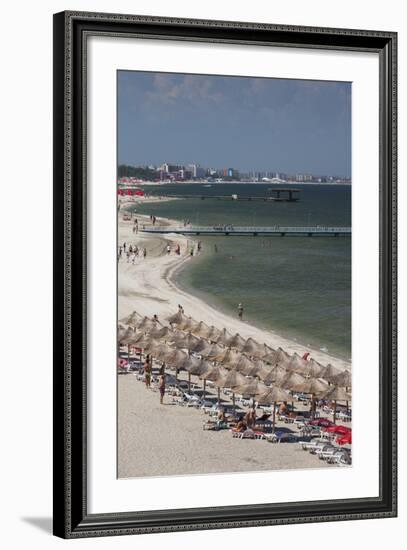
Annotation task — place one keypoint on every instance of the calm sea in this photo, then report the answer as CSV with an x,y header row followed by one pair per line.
x,y
299,287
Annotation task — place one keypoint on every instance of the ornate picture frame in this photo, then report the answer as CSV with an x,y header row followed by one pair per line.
x,y
71,33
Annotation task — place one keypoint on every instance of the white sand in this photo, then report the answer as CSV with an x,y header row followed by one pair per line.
x,y
168,440
160,440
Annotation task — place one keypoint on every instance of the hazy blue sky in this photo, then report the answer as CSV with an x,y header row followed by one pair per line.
x,y
244,123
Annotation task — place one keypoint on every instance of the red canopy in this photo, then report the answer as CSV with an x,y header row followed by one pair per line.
x,y
343,430
347,438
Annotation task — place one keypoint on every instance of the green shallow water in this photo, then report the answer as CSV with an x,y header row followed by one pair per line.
x,y
299,287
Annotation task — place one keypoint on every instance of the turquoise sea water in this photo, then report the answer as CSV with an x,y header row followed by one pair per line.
x,y
297,286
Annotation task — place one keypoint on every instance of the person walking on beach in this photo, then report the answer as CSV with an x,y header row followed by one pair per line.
x,y
215,247
144,252
199,247
240,311
124,247
147,372
168,249
178,249
191,251
161,387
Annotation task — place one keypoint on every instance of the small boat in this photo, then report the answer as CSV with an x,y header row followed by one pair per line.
x,y
207,185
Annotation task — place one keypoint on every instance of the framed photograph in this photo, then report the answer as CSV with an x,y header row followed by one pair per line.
x,y
224,274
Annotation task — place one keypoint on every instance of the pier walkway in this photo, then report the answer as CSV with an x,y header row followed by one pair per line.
x,y
278,231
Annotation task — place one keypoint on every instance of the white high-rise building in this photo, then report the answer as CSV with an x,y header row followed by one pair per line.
x,y
192,168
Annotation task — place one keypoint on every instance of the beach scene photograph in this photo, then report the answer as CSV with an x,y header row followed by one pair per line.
x,y
234,255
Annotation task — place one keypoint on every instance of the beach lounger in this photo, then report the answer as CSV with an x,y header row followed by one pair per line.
x,y
324,453
280,437
315,449
341,457
248,434
308,445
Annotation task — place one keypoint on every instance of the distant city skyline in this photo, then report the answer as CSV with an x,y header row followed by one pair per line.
x,y
261,124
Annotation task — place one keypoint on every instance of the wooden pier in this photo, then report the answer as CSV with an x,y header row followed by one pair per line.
x,y
276,195
230,230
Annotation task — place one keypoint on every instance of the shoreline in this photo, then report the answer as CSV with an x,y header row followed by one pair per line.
x,y
156,291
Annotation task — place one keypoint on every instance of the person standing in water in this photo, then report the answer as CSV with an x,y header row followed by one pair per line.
x,y
240,311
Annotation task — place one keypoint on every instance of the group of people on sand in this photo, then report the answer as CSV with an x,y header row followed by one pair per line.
x,y
148,368
131,252
177,249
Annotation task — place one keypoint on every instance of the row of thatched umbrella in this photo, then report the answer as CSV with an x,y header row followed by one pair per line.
x,y
232,358
289,372
283,363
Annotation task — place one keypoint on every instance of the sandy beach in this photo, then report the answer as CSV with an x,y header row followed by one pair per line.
x,y
169,440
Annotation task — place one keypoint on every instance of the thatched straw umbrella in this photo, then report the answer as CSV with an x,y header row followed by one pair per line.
x,y
276,357
188,325
190,364
272,375
128,338
163,333
121,331
251,387
330,372
212,373
312,386
148,324
309,369
131,319
189,341
343,379
291,380
175,359
236,342
336,394
231,380
273,396
213,334
266,350
228,358
201,346
212,351
246,366
295,363
253,348
313,369
202,330
223,337
124,336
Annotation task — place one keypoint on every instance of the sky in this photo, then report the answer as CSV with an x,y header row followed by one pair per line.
x,y
246,123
